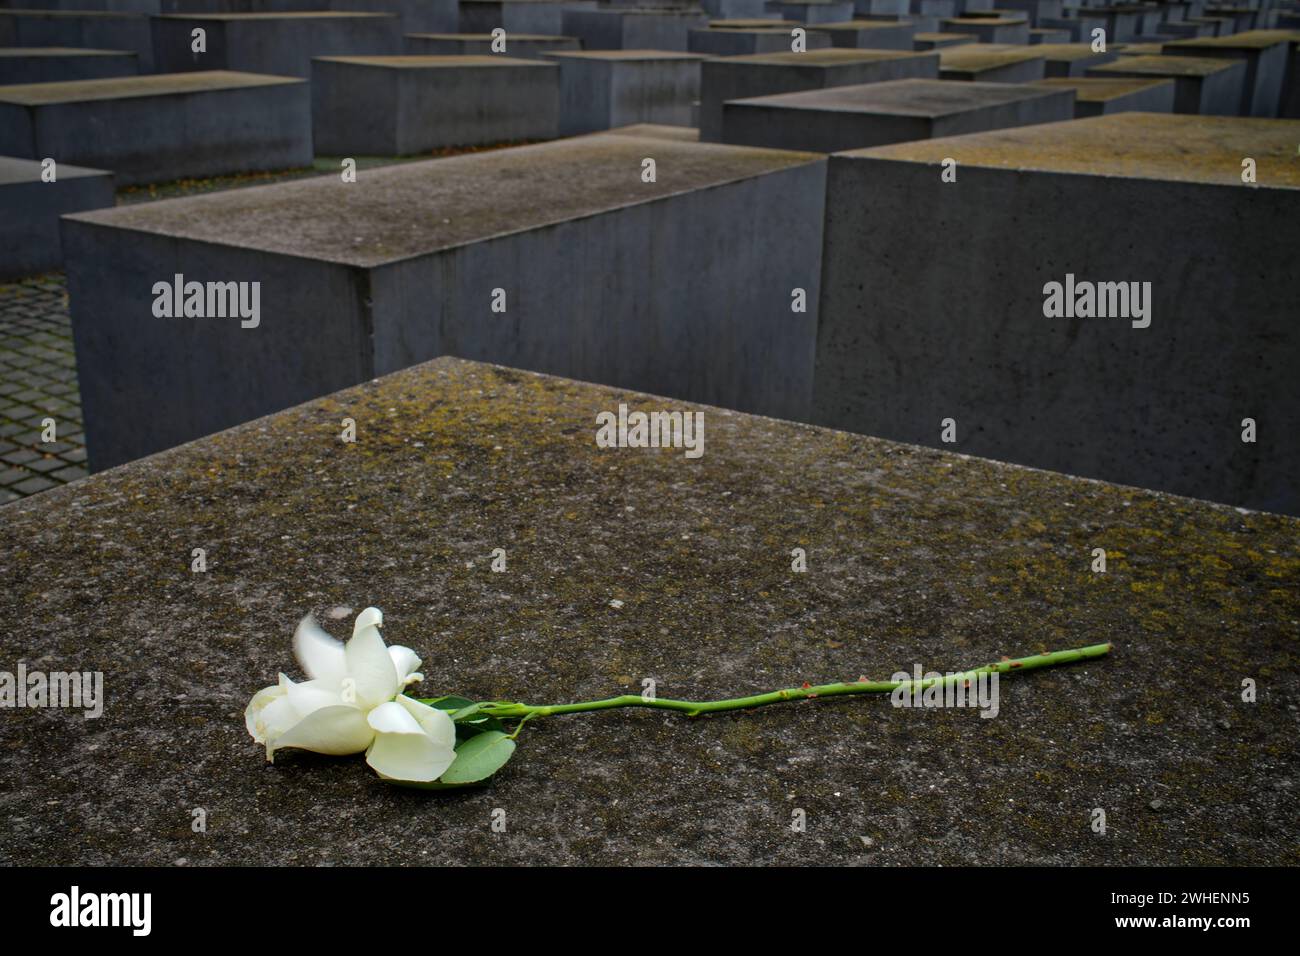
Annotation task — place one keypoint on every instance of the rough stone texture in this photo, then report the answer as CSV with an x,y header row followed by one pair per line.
x,y
1158,407
400,105
364,278
1095,96
601,89
741,77
527,46
866,34
280,44
55,64
1266,54
1205,86
989,63
100,30
232,122
38,380
873,114
916,556
30,210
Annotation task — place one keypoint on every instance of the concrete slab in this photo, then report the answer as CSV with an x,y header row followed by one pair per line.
x,y
813,11
280,44
741,77
359,279
98,30
56,64
966,560
1206,85
30,210
734,9
1004,64
518,16
866,34
630,29
749,23
938,41
1266,54
1159,406
527,46
232,122
874,114
1039,35
401,105
710,42
1033,9
1006,29
1095,96
1071,59
600,89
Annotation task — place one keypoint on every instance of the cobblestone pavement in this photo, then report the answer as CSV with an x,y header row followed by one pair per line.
x,y
38,382
38,372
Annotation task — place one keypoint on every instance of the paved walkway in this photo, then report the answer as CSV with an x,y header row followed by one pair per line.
x,y
38,382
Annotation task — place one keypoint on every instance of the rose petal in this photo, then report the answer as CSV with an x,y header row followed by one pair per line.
x,y
330,730
392,718
320,655
414,757
369,665
437,724
407,662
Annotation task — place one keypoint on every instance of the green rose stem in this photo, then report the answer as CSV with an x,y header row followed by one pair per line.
x,y
509,710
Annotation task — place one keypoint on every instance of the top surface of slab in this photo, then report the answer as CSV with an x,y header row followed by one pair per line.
x,y
915,97
29,51
835,56
854,25
397,212
1067,52
74,14
627,55
985,56
1170,65
1099,89
741,23
487,37
289,15
1249,40
121,87
922,557
1175,147
15,170
431,62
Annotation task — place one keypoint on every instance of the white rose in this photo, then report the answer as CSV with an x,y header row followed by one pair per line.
x,y
353,703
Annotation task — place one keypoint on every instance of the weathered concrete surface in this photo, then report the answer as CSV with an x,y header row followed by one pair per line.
x,y
915,556
400,105
874,114
1095,96
232,123
1266,54
1039,35
1001,64
56,64
867,34
1205,85
100,30
623,29
30,210
714,42
363,278
281,44
527,46
1159,407
601,89
741,77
